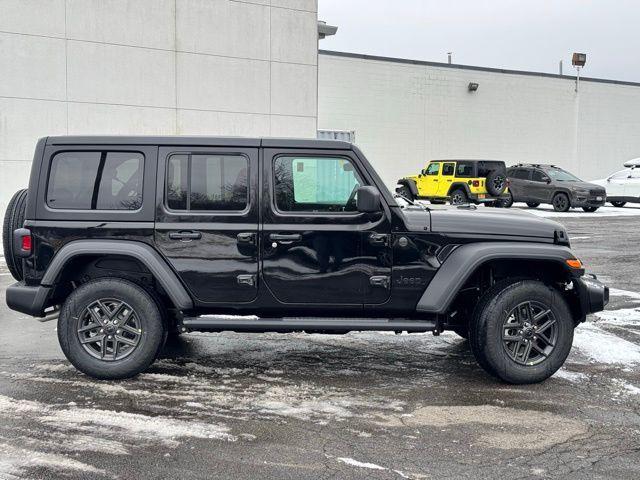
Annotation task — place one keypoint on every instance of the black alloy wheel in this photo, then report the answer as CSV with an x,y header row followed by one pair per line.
x,y
589,209
533,204
459,197
560,202
109,329
618,204
529,333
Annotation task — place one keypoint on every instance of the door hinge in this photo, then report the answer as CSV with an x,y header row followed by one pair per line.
x,y
380,239
249,280
380,281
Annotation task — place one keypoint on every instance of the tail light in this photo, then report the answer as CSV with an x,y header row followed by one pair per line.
x,y
476,183
22,242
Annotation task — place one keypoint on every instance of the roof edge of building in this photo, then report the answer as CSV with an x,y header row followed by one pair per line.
x,y
473,67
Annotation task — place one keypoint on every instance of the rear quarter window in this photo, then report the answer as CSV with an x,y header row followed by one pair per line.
x,y
98,180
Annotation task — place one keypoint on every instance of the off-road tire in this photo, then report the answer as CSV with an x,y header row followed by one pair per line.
x,y
458,197
13,219
561,202
506,202
152,324
485,330
589,209
461,331
533,204
618,204
496,183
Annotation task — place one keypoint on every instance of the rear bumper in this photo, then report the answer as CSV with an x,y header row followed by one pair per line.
x,y
26,299
592,294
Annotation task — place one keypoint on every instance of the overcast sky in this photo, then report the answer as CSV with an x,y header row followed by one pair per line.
x,y
514,34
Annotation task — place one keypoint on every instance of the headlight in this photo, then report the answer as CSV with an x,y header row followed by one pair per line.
x,y
581,192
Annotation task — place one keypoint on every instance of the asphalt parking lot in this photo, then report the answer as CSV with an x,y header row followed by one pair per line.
x,y
355,406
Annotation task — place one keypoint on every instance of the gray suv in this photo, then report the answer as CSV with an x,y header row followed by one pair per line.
x,y
535,184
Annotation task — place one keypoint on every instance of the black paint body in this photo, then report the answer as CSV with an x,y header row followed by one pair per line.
x,y
265,262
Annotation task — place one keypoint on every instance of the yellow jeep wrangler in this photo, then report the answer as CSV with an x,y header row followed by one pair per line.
x,y
459,182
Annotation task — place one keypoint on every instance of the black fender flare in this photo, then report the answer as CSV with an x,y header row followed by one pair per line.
x,y
410,184
142,252
463,185
466,259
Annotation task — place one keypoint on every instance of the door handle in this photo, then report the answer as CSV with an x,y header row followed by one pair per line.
x,y
286,237
246,237
380,281
379,239
186,235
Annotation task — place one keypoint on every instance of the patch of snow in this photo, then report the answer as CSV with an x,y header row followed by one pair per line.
x,y
606,211
15,461
604,347
615,292
623,316
626,387
356,463
574,377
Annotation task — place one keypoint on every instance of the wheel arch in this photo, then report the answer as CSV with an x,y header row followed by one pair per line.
x,y
469,262
134,259
457,185
410,184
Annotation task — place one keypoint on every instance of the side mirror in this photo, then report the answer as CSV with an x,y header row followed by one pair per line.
x,y
368,200
424,171
547,179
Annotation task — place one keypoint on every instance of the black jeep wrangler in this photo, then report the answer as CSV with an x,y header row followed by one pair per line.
x,y
129,239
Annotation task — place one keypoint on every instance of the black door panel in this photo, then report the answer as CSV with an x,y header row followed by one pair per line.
x,y
318,249
214,252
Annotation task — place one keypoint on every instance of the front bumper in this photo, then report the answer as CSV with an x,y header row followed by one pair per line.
x,y
593,295
588,200
28,299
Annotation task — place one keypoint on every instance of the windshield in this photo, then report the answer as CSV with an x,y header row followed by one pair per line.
x,y
561,175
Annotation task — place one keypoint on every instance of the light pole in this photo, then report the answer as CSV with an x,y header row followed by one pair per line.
x,y
578,60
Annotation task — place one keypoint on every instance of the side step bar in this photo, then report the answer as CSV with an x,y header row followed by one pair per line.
x,y
295,324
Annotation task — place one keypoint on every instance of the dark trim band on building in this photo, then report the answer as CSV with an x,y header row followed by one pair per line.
x,y
472,67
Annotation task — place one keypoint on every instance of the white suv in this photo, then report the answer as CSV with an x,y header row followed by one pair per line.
x,y
623,186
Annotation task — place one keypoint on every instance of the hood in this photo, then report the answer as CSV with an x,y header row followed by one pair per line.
x,y
580,185
491,221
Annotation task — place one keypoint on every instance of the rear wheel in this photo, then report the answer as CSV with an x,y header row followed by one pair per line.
x,y
14,219
618,204
111,328
561,202
506,202
590,209
533,204
458,197
521,331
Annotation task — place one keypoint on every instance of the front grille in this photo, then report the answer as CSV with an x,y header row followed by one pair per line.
x,y
597,193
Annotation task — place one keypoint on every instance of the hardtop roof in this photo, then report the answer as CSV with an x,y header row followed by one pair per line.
x,y
203,141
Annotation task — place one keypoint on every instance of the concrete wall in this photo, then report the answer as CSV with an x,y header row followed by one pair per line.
x,y
211,67
406,113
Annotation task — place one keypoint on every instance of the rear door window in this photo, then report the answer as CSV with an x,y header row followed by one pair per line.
x,y
464,170
207,182
521,174
448,168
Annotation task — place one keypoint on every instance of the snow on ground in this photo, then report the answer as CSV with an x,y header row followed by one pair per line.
x,y
604,347
606,211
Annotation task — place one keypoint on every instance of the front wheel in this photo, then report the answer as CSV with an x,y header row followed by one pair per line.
x,y
521,331
459,197
590,209
405,192
618,204
111,328
561,202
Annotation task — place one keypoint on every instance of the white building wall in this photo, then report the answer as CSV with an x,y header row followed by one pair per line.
x,y
203,67
404,114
